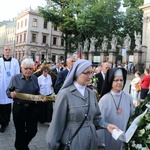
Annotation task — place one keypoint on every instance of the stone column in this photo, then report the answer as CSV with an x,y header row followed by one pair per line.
x,y
84,55
137,57
124,59
112,56
103,56
128,54
146,32
90,56
37,58
56,59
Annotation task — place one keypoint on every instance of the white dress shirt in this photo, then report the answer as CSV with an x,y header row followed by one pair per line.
x,y
45,84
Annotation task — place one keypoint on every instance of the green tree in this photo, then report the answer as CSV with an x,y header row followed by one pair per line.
x,y
81,19
59,13
133,18
99,18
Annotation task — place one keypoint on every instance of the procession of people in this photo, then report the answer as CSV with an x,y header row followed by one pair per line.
x,y
76,117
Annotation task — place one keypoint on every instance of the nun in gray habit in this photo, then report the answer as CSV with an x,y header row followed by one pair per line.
x,y
116,107
73,101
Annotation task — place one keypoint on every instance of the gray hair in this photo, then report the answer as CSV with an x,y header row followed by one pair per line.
x,y
27,61
70,57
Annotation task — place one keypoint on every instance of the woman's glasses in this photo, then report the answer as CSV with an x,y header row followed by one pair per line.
x,y
118,80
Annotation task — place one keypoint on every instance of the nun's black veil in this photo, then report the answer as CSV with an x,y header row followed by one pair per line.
x,y
107,86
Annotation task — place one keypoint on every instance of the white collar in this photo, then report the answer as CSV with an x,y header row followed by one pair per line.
x,y
44,76
79,87
114,93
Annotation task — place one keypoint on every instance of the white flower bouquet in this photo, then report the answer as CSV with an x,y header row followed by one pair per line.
x,y
141,137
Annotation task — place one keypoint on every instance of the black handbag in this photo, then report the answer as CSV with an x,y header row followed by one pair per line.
x,y
67,145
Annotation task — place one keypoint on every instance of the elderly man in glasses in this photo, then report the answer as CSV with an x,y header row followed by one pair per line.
x,y
9,66
25,112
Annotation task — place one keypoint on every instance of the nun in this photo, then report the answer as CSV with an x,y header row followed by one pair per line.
x,y
116,107
76,111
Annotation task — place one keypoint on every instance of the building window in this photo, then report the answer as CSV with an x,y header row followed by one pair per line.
x,y
44,38
24,37
20,38
34,24
33,37
25,22
45,25
62,42
54,40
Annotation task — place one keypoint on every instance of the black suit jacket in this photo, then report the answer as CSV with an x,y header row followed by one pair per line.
x,y
60,80
100,82
55,77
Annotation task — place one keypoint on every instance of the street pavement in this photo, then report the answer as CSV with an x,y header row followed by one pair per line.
x,y
38,142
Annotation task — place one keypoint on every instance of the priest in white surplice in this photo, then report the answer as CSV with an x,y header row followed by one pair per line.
x,y
8,67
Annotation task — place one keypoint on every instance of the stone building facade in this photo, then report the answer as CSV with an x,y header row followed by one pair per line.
x,y
33,37
146,33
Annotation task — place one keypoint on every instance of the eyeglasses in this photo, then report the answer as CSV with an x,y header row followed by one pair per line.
x,y
88,73
27,68
118,80
73,61
7,49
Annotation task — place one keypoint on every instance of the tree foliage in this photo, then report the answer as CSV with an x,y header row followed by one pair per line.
x,y
81,19
59,13
133,18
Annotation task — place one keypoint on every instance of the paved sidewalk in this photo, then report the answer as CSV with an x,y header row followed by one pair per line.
x,y
38,142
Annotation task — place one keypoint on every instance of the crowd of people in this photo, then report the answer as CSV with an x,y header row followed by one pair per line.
x,y
78,118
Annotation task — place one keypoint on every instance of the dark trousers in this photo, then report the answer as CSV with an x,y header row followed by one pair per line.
x,y
5,111
46,111
25,121
143,93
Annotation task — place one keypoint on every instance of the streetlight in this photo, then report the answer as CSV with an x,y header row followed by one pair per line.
x,y
46,48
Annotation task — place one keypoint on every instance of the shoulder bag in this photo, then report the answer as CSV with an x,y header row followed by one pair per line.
x,y
138,87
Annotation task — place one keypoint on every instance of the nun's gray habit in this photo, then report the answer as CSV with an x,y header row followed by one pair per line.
x,y
108,103
70,108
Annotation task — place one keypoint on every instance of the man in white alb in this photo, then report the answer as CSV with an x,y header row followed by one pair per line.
x,y
9,66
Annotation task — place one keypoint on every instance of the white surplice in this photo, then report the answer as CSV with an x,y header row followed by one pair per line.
x,y
7,70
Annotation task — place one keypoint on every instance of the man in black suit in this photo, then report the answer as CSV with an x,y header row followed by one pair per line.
x,y
101,76
62,75
55,70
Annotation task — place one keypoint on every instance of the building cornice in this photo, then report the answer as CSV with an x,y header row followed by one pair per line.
x,y
145,6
